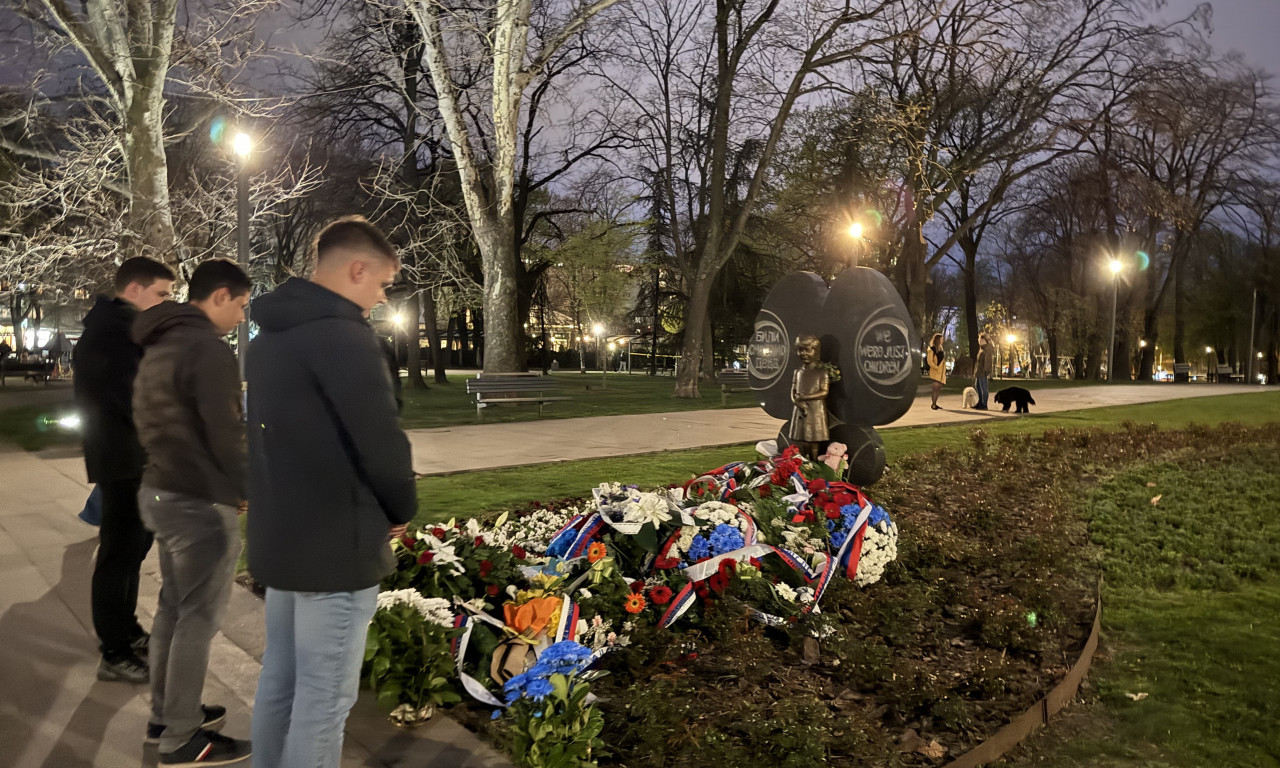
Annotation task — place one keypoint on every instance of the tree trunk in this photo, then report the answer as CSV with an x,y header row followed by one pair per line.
x,y
692,350
1151,334
1180,312
150,217
1052,338
971,294
709,352
439,356
657,300
413,336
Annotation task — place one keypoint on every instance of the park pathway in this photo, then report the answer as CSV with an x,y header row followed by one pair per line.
x,y
54,713
446,450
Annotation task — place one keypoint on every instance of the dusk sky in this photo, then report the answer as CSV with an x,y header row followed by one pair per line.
x,y
1251,27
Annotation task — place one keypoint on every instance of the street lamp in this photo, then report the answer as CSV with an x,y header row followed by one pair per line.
x,y
855,231
598,330
1116,266
1011,339
1208,362
242,146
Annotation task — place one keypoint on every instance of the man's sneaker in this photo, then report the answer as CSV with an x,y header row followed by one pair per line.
x,y
208,748
214,718
141,645
128,669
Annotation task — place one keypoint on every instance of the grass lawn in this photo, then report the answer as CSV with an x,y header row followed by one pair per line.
x,y
446,405
1191,675
25,426
470,493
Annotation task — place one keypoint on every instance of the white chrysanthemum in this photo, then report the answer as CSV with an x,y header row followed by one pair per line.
x,y
785,592
434,609
716,512
879,548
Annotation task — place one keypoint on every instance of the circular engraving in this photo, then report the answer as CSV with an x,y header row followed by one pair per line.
x,y
768,351
884,352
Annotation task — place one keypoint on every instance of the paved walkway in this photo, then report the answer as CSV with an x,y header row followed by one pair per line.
x,y
54,713
446,450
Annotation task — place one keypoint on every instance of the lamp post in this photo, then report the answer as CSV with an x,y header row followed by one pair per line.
x,y
242,145
1253,320
855,231
1208,363
1116,266
598,330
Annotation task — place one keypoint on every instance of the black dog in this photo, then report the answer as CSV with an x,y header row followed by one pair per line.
x,y
1010,395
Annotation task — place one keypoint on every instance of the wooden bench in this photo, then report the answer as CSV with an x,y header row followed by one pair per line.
x,y
1226,374
732,380
1181,372
39,370
513,388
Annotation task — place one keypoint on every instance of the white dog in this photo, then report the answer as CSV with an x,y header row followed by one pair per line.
x,y
970,397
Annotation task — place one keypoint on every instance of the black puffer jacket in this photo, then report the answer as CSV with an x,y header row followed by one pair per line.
x,y
186,405
330,468
106,361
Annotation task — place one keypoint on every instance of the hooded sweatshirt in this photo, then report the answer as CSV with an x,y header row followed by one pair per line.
x,y
186,406
330,469
106,361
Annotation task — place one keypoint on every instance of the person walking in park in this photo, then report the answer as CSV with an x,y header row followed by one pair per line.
x,y
106,361
936,358
982,370
186,406
330,481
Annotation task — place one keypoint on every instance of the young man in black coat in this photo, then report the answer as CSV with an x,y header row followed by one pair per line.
x,y
106,362
330,482
186,405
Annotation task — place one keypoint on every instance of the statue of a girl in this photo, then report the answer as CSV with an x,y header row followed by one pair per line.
x,y
809,391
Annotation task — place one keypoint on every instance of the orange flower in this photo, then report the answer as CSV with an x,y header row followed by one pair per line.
x,y
634,603
596,552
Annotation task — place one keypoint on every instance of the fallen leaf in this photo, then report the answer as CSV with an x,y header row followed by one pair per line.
x,y
933,750
1137,696
910,741
1151,485
1156,499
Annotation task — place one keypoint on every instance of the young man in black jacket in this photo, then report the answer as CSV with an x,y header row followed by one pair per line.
x,y
186,405
106,361
330,481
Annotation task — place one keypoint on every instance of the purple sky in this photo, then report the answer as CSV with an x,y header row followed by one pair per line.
x,y
1248,26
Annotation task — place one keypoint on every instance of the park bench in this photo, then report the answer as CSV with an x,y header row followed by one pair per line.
x,y
1181,372
513,389
1226,374
732,380
38,370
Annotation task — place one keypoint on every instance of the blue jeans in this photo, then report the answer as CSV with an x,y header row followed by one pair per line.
x,y
980,384
310,676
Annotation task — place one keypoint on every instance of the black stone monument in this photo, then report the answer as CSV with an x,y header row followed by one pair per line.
x,y
866,331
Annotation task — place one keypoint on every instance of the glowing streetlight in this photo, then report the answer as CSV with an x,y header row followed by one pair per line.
x,y
1011,338
242,145
1115,267
598,330
855,230
1142,343
1208,350
398,319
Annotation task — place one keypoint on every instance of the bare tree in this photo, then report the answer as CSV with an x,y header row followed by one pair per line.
x,y
483,125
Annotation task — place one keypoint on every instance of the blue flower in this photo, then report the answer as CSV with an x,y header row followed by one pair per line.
x,y
539,689
837,539
878,516
700,549
565,657
497,713
725,538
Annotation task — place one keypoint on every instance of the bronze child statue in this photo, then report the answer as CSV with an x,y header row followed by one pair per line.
x,y
809,391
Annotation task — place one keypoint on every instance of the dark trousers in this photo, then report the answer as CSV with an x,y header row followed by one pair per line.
x,y
980,384
199,542
123,543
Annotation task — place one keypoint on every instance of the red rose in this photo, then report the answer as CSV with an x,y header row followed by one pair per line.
x,y
426,557
438,532
637,586
493,590
844,498
409,542
660,595
817,485
479,541
518,551
485,567
728,566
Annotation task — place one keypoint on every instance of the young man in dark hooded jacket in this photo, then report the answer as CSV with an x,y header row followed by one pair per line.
x,y
330,481
106,361
186,405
